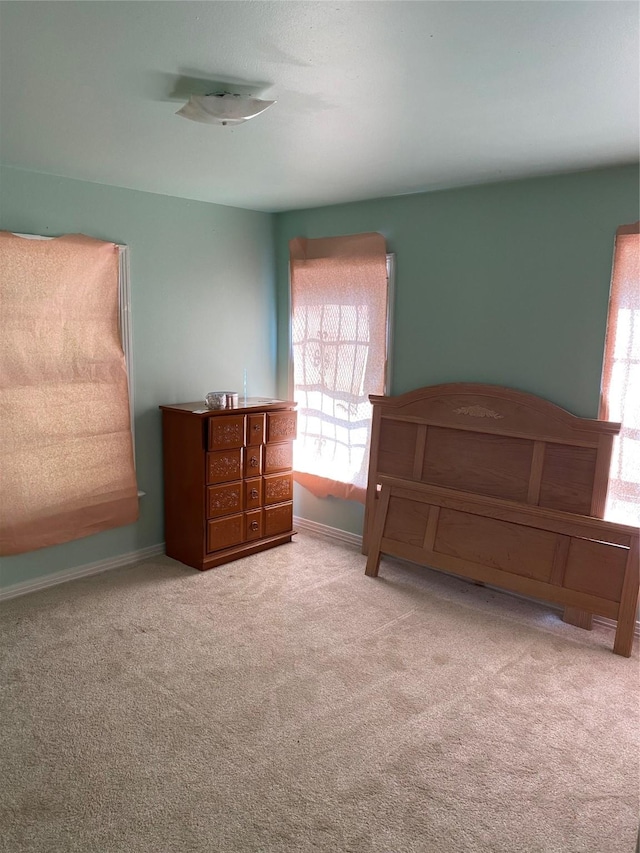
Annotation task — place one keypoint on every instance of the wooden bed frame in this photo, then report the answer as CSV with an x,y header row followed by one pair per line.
x,y
504,488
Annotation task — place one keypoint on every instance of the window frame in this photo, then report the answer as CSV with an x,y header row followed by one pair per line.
x,y
391,298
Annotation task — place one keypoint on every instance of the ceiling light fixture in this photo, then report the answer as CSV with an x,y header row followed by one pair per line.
x,y
223,108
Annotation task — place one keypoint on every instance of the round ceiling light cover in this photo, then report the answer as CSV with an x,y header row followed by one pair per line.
x,y
223,108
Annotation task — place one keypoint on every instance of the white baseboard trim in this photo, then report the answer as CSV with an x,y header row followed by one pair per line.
x,y
307,526
88,569
611,623
353,539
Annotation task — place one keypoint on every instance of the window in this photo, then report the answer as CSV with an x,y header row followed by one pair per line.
x,y
124,310
621,377
65,419
341,295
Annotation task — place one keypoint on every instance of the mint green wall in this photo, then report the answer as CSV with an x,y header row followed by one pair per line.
x,y
503,283
203,308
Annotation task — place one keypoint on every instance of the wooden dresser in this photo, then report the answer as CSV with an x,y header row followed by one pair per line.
x,y
228,482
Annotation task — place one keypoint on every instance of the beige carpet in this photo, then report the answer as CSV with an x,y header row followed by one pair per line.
x,y
285,702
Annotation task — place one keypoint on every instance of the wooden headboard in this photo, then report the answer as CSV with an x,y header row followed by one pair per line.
x,y
493,441
502,487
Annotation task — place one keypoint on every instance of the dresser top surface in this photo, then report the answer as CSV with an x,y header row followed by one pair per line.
x,y
198,408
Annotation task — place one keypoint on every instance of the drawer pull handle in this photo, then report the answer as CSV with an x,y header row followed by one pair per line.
x,y
253,462
254,495
254,525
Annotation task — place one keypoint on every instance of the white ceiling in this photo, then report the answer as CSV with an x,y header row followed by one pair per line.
x,y
374,98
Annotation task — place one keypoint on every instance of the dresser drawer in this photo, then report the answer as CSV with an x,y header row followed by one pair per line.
x,y
253,493
226,431
255,429
278,519
281,426
224,465
224,500
225,532
278,488
253,461
253,525
278,457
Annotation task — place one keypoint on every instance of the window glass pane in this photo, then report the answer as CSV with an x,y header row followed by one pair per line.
x,y
630,459
631,400
621,380
634,343
623,333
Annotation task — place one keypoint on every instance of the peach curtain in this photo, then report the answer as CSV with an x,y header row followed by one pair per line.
x,y
620,399
66,452
339,293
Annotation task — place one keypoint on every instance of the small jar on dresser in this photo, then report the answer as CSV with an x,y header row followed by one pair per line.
x,y
228,482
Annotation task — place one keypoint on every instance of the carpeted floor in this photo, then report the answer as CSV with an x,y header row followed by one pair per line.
x,y
285,702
